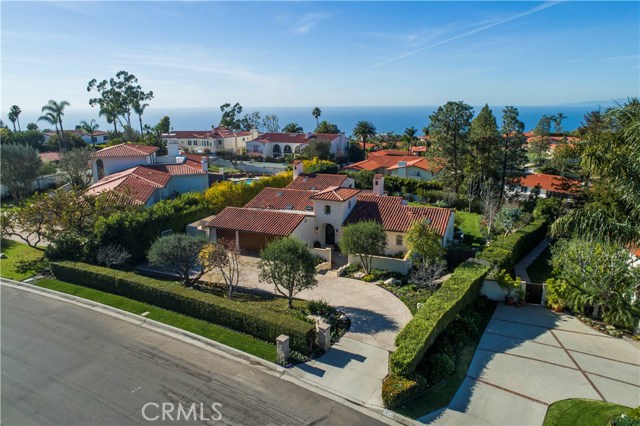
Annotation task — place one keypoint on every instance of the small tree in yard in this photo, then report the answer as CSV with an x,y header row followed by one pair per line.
x,y
364,239
18,169
507,283
180,253
425,244
224,256
507,218
289,265
112,254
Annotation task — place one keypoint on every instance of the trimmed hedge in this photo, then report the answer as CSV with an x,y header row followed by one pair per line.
x,y
397,390
410,185
507,250
257,322
435,315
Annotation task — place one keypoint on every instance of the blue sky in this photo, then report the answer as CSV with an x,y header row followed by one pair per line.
x,y
202,54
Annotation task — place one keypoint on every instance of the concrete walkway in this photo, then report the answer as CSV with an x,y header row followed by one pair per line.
x,y
520,269
530,357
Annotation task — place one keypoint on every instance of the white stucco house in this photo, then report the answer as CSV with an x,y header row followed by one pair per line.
x,y
315,208
276,145
99,137
399,163
218,139
138,176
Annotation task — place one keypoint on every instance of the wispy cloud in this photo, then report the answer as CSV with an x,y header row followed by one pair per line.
x,y
483,27
623,59
307,22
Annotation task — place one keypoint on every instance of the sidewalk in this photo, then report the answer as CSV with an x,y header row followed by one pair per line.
x,y
520,268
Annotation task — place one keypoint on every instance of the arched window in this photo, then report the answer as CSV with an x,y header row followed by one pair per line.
x,y
287,149
100,167
276,150
297,149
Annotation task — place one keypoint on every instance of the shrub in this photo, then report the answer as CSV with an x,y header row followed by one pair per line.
x,y
439,367
67,246
507,250
320,307
436,314
625,420
397,389
255,321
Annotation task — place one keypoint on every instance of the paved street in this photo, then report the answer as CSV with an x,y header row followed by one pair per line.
x,y
66,365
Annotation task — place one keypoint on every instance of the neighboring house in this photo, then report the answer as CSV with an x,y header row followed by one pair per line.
x,y
316,214
138,176
49,157
277,145
99,137
398,163
550,185
554,141
218,139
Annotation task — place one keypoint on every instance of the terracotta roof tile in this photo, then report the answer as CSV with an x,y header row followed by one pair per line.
x,y
49,156
259,221
336,193
316,182
294,137
281,199
551,183
126,150
396,216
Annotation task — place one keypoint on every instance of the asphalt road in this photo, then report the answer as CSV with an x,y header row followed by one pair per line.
x,y
66,365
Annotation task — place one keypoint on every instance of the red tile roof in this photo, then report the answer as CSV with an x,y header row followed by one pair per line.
x,y
421,163
281,199
126,150
389,152
217,133
336,193
418,149
258,221
294,137
49,156
316,182
375,162
396,216
551,183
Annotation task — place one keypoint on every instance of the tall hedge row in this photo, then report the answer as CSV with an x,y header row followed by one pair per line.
x,y
508,250
255,321
439,310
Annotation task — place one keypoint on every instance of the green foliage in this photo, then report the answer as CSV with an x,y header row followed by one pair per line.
x,y
406,186
32,138
47,168
179,253
507,282
18,258
320,307
507,218
507,250
19,166
440,366
228,194
582,412
292,128
398,389
484,160
547,208
327,128
67,246
288,264
355,153
317,149
363,179
255,321
74,162
557,292
435,315
364,239
319,166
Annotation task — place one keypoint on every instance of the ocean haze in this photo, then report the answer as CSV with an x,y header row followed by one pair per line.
x,y
386,119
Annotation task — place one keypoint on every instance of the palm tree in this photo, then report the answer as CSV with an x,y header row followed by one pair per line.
x,y
557,122
410,135
90,128
316,113
51,119
15,112
57,109
111,115
364,130
139,108
292,128
12,118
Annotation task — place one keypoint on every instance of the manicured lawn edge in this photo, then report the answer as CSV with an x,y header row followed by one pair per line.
x,y
15,253
582,412
202,328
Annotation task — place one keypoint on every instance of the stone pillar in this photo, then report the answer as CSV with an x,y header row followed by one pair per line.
x,y
282,348
237,239
324,335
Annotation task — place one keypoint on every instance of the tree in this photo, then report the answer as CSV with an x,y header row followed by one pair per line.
x,y
425,244
512,155
164,125
319,166
252,121
288,264
490,203
507,218
138,108
409,136
600,277
76,163
224,256
32,127
317,149
270,123
363,131
31,138
19,166
181,254
485,145
230,116
327,128
90,129
73,141
557,122
118,96
316,112
57,112
507,282
14,115
292,128
112,255
450,133
50,118
540,144
364,239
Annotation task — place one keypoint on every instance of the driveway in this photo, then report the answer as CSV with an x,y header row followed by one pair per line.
x,y
530,357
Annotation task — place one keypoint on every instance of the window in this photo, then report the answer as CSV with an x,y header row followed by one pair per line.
x,y
219,141
297,149
349,204
287,149
327,209
398,240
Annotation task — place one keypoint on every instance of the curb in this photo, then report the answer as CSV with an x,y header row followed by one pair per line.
x,y
375,412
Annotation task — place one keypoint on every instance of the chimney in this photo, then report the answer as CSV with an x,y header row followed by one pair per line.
x,y
205,164
298,168
172,149
378,185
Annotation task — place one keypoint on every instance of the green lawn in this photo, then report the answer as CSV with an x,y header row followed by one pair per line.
x,y
582,412
441,395
15,253
223,335
470,225
540,270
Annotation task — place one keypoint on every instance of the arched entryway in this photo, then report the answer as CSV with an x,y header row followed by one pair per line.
x,y
276,151
100,167
287,149
329,234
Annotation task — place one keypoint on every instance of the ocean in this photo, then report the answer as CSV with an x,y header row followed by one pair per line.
x,y
386,119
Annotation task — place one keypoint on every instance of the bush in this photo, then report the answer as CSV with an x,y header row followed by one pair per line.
x,y
250,319
320,307
625,420
397,390
435,315
507,250
67,246
439,367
